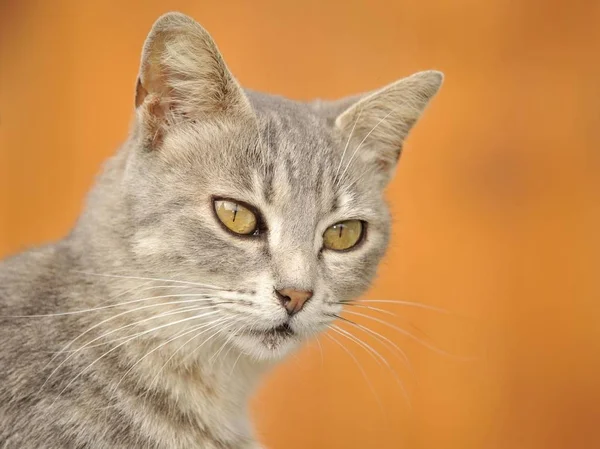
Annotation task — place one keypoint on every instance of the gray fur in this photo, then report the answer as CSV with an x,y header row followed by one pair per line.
x,y
197,134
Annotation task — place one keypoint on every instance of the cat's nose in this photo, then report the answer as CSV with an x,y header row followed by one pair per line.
x,y
293,300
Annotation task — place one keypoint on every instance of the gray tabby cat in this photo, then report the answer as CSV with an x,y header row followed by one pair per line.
x,y
229,228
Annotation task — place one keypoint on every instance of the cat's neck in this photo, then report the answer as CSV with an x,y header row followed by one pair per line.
x,y
213,392
97,236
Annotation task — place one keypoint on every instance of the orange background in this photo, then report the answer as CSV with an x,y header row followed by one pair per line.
x,y
495,201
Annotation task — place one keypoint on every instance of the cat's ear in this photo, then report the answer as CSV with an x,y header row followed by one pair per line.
x,y
377,124
183,77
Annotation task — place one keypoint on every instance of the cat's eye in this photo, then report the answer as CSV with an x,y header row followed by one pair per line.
x,y
236,217
343,235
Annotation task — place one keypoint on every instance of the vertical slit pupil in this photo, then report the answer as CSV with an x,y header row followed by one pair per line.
x,y
341,226
235,211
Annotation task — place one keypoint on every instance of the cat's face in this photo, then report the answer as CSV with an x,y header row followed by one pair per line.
x,y
276,206
282,181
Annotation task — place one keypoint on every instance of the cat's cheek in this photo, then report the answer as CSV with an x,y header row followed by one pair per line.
x,y
348,275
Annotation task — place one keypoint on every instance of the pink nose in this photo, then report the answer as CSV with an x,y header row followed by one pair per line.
x,y
293,300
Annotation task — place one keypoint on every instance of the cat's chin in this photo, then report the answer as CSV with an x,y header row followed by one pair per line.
x,y
271,345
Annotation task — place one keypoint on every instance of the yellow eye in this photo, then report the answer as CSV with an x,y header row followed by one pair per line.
x,y
235,217
344,235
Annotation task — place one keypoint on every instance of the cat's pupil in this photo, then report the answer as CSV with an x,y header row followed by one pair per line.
x,y
235,211
341,226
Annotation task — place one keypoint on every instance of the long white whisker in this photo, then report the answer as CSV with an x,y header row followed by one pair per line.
x,y
160,346
129,290
148,279
230,346
361,369
161,315
112,306
241,352
121,344
137,309
73,353
320,351
359,342
213,324
152,287
410,335
406,303
376,309
227,340
210,338
382,339
369,349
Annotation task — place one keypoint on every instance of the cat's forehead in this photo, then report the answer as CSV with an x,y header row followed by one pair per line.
x,y
293,128
296,148
288,157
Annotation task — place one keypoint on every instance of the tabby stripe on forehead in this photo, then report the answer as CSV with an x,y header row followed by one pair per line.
x,y
319,179
335,202
268,189
271,136
289,165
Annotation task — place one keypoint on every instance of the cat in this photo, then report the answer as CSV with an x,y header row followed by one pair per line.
x,y
230,227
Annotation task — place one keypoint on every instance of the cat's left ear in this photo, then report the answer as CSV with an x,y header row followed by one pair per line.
x,y
376,125
184,77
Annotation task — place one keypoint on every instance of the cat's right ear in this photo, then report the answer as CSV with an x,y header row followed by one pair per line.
x,y
376,126
183,77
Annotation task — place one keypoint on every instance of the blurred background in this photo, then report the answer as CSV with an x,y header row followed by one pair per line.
x,y
496,199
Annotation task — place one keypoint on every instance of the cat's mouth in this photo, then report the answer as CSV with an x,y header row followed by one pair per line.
x,y
282,331
270,343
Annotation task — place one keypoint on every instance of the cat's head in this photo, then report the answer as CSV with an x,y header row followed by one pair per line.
x,y
276,205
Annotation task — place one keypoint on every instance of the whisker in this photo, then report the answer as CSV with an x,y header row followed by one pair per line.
x,y
152,287
218,331
320,350
129,290
112,306
227,340
179,310
213,324
236,362
410,335
135,323
252,327
230,347
141,278
361,369
162,345
376,309
121,344
382,339
216,354
404,303
376,355
208,299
